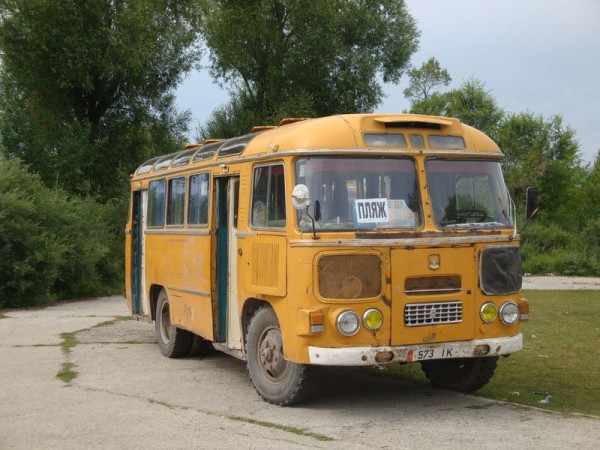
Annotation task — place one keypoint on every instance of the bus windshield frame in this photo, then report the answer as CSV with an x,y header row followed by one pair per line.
x,y
468,194
360,193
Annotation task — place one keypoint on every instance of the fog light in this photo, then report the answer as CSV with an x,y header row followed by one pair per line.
x,y
372,319
488,312
509,313
348,323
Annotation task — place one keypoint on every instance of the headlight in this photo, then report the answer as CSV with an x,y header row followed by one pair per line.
x,y
372,319
348,323
488,312
509,313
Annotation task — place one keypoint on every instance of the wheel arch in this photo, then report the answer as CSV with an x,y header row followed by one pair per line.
x,y
251,305
153,297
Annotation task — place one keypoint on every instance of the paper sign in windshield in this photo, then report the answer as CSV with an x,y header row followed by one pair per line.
x,y
382,213
372,210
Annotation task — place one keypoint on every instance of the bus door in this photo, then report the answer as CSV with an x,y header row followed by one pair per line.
x,y
138,283
229,330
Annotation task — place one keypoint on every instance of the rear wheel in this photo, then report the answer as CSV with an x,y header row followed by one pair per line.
x,y
276,380
465,374
173,342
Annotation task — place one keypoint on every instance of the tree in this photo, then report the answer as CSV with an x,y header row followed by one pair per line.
x,y
543,153
426,78
87,84
307,58
470,103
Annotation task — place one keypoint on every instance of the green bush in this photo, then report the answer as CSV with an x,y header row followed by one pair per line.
x,y
53,246
561,262
544,238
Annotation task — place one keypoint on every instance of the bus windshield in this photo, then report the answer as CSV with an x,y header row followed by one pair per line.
x,y
469,194
360,193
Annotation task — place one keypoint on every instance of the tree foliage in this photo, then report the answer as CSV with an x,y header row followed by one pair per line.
x,y
87,85
425,79
49,247
471,103
298,58
544,153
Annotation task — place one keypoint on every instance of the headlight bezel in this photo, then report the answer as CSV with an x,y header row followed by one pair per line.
x,y
344,316
365,319
482,313
515,313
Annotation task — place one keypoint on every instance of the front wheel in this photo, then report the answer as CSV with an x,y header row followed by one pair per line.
x,y
276,380
173,342
464,375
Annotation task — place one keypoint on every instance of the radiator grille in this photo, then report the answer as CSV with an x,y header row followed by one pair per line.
x,y
349,276
432,285
419,314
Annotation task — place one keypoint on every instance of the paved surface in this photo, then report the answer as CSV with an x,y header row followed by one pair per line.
x,y
127,395
561,283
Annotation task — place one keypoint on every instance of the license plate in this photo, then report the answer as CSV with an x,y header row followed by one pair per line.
x,y
432,353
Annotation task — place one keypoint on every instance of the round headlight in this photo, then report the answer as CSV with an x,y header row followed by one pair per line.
x,y
348,323
488,312
509,313
372,319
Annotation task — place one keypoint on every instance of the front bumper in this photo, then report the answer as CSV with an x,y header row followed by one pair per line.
x,y
369,356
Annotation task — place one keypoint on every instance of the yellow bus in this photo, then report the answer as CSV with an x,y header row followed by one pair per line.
x,y
350,240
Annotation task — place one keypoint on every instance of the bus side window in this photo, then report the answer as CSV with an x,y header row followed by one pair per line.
x,y
156,203
176,203
198,199
268,197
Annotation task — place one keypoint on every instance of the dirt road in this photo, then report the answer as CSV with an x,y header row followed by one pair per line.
x,y
125,394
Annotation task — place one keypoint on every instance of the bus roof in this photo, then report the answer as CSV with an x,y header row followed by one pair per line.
x,y
400,132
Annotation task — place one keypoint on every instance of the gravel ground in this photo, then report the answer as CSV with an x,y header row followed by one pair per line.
x,y
551,282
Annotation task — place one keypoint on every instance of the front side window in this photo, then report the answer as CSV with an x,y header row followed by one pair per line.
x,y
468,194
360,193
268,197
176,205
198,199
156,203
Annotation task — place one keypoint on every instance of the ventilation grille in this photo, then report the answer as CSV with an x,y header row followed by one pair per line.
x,y
432,285
265,264
419,314
349,276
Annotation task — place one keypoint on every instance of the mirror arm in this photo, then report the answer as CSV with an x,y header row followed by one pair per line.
x,y
529,219
312,220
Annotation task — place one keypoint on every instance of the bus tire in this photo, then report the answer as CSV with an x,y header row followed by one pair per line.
x,y
464,374
173,342
276,380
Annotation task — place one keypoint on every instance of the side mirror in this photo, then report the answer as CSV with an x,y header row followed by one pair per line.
x,y
300,196
533,204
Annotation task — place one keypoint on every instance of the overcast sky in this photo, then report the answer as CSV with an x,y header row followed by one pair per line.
x,y
532,55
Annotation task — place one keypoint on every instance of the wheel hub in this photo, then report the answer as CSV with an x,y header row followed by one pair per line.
x,y
271,354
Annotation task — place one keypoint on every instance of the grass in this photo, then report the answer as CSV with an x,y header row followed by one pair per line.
x,y
2,316
561,356
67,373
69,341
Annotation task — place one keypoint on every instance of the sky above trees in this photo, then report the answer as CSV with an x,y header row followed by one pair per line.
x,y
535,56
